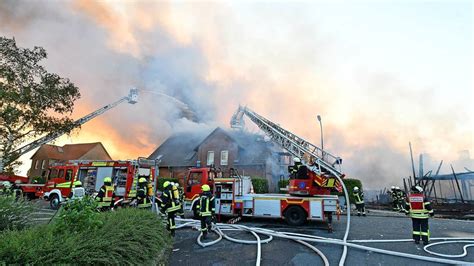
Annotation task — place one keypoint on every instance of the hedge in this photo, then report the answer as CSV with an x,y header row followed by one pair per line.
x,y
14,214
127,236
162,180
260,185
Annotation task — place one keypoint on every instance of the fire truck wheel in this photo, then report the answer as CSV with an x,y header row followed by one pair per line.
x,y
295,215
54,202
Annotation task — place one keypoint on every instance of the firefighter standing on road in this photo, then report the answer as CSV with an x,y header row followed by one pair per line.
x,y
359,201
169,205
401,196
394,196
206,208
419,209
143,201
106,194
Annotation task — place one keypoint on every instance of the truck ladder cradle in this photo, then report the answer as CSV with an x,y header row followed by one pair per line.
x,y
294,144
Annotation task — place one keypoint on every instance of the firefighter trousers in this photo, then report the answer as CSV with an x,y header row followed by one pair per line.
x,y
171,222
205,224
360,208
421,229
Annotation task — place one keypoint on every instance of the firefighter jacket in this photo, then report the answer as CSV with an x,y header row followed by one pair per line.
x,y
401,195
206,205
142,197
359,197
168,202
418,207
105,195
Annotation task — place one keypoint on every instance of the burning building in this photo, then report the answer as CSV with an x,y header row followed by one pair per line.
x,y
251,154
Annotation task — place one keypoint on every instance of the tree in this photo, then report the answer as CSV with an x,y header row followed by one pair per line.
x,y
33,102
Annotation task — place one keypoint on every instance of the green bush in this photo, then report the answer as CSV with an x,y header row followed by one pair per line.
x,y
260,185
79,215
127,236
350,184
162,180
14,214
283,183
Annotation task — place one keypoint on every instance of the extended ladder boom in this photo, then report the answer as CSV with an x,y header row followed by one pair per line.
x,y
132,98
318,161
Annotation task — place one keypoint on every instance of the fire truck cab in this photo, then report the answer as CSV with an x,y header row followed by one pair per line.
x,y
124,174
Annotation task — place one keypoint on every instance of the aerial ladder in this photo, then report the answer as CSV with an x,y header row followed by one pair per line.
x,y
323,167
131,98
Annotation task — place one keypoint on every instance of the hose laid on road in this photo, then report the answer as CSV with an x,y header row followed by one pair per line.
x,y
304,239
471,244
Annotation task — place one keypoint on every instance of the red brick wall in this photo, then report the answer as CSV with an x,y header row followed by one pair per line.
x,y
218,142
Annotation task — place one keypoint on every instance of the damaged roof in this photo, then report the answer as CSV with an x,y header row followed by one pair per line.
x,y
181,149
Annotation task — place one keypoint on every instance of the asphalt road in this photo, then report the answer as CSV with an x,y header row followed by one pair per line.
x,y
377,225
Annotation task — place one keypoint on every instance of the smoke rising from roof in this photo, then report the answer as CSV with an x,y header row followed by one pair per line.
x,y
211,57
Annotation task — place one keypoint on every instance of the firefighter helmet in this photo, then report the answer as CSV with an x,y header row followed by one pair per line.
x,y
397,188
142,180
296,160
166,184
356,189
205,188
7,184
392,188
417,189
108,179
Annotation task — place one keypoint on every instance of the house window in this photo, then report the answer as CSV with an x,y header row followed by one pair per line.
x,y
210,157
36,164
43,164
224,157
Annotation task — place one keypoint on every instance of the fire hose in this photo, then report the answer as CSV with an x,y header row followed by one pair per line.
x,y
303,239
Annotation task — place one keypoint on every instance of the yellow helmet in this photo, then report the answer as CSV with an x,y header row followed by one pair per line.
x,y
142,180
166,184
78,183
205,188
108,180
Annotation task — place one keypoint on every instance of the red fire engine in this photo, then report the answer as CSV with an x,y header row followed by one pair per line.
x,y
234,197
124,174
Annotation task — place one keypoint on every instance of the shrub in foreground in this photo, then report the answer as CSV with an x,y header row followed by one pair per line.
x,y
127,236
14,214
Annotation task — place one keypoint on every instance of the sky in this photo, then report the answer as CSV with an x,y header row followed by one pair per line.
x,y
380,73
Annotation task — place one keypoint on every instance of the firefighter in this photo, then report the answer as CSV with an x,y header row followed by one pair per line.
x,y
401,198
169,205
359,201
6,188
206,208
293,169
394,196
143,200
180,193
106,194
419,209
16,190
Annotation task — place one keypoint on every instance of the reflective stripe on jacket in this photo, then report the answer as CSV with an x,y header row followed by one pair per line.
x,y
206,205
359,197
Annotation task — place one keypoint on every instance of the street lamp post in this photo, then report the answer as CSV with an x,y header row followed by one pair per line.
x,y
322,142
